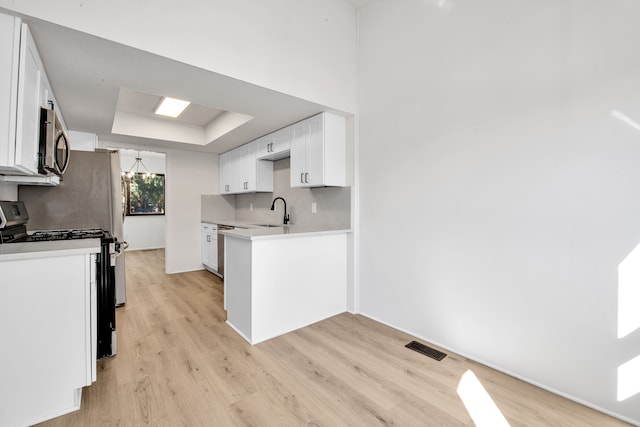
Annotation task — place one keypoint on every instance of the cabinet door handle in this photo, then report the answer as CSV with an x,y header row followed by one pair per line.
x,y
302,178
306,178
208,238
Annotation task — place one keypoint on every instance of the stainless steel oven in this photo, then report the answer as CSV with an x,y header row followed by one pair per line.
x,y
13,229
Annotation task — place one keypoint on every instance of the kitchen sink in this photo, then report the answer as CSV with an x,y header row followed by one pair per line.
x,y
266,225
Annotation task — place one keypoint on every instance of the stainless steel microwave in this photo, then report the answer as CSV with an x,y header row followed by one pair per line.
x,y
53,154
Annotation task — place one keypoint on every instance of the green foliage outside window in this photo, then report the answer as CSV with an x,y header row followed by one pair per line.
x,y
144,194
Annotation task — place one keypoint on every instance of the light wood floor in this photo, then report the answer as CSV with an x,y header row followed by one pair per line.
x,y
179,364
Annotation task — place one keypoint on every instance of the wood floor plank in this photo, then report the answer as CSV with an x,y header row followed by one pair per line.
x,y
180,364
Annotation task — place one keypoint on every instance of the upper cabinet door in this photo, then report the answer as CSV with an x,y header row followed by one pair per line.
x,y
274,146
318,152
21,81
299,136
314,175
224,186
30,87
9,60
281,144
248,167
264,146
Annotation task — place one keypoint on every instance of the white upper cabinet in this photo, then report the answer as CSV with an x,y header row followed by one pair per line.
x,y
23,90
263,146
317,147
31,88
318,151
274,146
224,184
240,171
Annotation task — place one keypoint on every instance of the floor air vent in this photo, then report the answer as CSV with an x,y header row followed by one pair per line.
x,y
426,350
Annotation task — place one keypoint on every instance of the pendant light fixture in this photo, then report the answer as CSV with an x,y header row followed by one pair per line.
x,y
136,165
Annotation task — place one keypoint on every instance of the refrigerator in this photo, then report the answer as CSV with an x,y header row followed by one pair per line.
x,y
89,196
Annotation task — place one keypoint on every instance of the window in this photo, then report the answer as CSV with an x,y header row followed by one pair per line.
x,y
144,194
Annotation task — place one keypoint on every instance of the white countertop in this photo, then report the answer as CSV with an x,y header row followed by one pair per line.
x,y
233,223
27,250
279,232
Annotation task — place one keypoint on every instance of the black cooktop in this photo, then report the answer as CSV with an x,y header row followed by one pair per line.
x,y
73,234
18,233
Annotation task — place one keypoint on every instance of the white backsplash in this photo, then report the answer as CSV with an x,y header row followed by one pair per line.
x,y
216,207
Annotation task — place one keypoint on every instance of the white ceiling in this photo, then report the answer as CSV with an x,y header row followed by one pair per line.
x,y
130,101
95,80
111,89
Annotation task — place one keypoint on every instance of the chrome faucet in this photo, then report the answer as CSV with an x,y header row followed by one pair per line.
x,y
273,208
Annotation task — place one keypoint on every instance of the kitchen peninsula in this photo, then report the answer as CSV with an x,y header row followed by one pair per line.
x,y
279,279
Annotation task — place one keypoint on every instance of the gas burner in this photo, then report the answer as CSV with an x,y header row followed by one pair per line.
x,y
73,234
41,236
91,233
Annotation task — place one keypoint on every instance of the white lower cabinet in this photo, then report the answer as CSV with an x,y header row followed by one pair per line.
x,y
210,246
276,285
48,336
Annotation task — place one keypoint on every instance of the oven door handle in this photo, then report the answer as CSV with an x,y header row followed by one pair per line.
x,y
121,247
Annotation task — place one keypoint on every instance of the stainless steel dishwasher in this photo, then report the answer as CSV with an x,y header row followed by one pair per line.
x,y
222,227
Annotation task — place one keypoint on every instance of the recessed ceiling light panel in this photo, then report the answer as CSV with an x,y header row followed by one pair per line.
x,y
171,107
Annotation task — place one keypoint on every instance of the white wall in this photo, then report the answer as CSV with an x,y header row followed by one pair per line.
x,y
145,231
499,183
284,45
189,175
8,191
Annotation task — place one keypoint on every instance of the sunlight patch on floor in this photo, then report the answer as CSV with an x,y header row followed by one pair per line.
x,y
483,410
